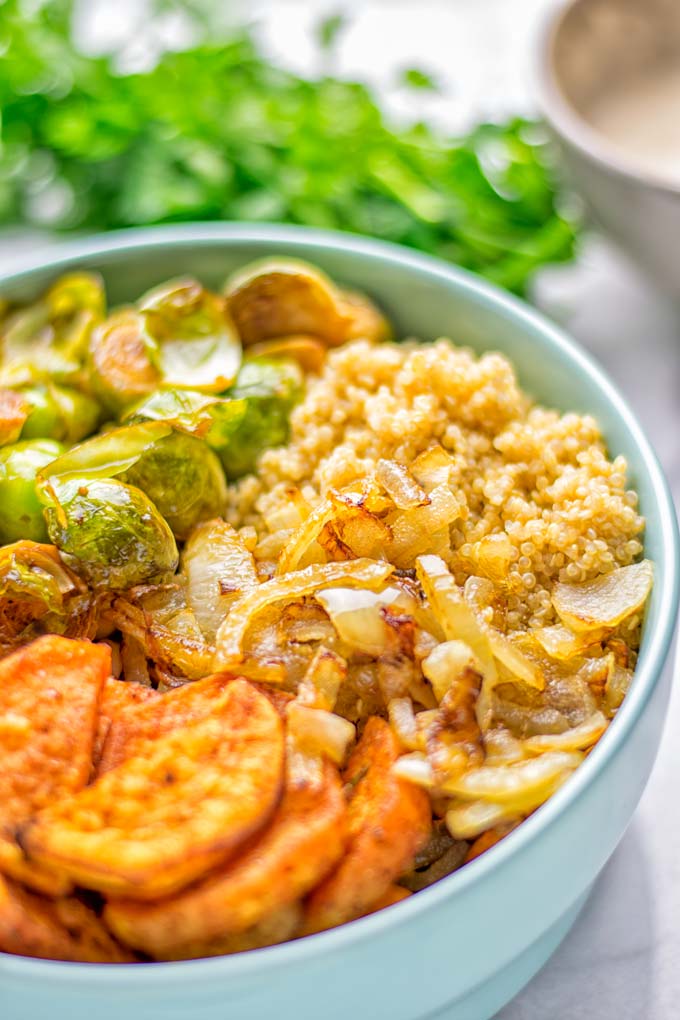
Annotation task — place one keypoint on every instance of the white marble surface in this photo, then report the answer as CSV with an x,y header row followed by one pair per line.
x,y
620,961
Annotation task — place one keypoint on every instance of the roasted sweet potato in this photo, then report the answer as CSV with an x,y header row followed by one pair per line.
x,y
117,695
137,725
165,817
305,839
389,821
48,709
63,929
278,927
139,722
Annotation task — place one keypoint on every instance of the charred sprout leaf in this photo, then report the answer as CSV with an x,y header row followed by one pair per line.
x,y
58,412
108,532
21,512
197,346
185,480
107,455
39,594
48,340
121,360
270,389
213,418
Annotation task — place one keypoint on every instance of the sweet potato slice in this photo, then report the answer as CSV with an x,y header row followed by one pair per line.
x,y
139,724
304,841
117,695
389,821
183,805
63,929
48,709
144,723
278,927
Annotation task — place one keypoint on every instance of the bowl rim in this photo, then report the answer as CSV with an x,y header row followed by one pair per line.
x,y
648,672
569,123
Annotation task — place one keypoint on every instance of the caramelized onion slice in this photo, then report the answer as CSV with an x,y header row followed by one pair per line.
x,y
576,739
518,784
607,600
361,573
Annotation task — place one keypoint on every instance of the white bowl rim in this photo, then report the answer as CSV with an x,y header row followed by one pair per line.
x,y
569,123
269,960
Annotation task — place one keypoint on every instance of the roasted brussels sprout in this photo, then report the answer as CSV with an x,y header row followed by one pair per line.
x,y
209,417
109,532
48,340
39,594
252,416
58,412
185,480
181,475
21,512
276,298
197,345
121,360
270,389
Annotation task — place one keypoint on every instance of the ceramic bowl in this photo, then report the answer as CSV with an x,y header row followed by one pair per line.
x,y
589,49
465,946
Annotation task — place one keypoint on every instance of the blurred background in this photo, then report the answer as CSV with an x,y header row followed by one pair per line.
x,y
416,122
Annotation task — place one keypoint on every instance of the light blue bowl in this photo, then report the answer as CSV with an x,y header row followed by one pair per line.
x,y
464,947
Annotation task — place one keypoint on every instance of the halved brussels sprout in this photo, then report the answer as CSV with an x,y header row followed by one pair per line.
x,y
277,297
109,532
180,474
39,594
58,412
48,339
121,360
197,345
185,480
251,417
271,389
21,512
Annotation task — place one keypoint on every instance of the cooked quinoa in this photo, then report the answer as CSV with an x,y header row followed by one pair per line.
x,y
540,477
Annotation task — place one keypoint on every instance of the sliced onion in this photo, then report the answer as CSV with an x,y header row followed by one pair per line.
x,y
322,681
219,570
465,821
446,663
616,684
563,644
576,739
459,623
304,537
415,768
361,573
493,556
502,747
356,616
514,660
412,530
607,600
521,784
319,732
433,467
400,485
403,722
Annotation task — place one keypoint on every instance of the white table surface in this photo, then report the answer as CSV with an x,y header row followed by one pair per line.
x,y
620,961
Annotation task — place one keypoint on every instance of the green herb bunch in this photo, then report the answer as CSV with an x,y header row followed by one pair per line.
x,y
216,132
